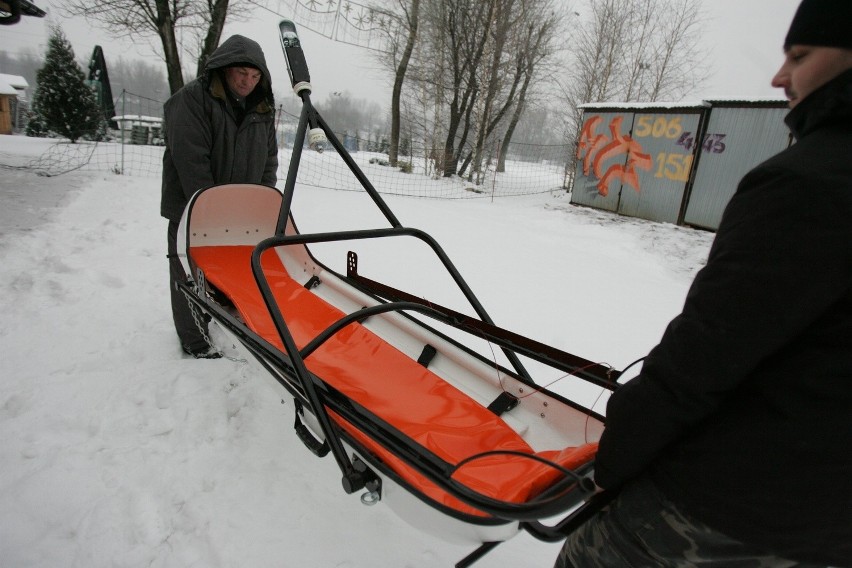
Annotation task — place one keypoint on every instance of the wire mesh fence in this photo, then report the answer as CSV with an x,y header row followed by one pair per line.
x,y
134,146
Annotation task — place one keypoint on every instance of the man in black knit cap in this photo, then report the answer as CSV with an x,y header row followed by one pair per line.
x,y
732,446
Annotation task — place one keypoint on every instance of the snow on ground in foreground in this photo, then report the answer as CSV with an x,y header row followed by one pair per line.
x,y
117,450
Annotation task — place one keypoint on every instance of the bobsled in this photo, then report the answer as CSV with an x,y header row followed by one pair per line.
x,y
456,443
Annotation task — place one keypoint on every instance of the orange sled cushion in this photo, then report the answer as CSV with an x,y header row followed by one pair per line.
x,y
392,385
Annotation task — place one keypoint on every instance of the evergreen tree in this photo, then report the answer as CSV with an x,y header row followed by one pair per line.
x,y
63,102
35,127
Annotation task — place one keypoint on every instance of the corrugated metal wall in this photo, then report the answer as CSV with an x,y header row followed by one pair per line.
x,y
596,178
737,139
661,188
675,164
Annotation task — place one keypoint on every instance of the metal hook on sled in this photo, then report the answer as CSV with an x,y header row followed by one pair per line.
x,y
370,498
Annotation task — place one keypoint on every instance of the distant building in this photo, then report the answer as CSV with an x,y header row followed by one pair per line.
x,y
140,129
13,103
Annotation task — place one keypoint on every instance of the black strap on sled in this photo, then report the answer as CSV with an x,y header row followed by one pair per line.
x,y
427,355
318,448
503,403
313,282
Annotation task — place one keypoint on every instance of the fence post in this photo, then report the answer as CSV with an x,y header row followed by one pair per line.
x,y
121,126
494,180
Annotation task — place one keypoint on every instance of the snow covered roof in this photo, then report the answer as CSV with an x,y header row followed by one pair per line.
x,y
734,101
137,117
654,105
12,84
746,101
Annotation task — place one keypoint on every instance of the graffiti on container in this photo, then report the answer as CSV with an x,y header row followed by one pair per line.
x,y
712,142
618,156
597,150
670,165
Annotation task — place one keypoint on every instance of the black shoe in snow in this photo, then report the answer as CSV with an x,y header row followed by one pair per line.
x,y
203,353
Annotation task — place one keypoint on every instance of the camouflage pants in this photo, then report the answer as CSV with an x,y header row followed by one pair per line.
x,y
643,529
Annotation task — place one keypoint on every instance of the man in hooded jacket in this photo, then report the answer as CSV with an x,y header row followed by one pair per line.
x,y
732,446
219,128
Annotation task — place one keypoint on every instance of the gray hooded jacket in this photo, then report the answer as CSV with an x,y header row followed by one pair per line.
x,y
206,143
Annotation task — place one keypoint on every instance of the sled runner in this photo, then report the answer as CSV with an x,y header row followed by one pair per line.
x,y
456,443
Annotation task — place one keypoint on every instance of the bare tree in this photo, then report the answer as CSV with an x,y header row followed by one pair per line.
x,y
350,115
465,67
536,49
433,56
402,37
204,19
493,79
524,35
677,66
138,77
423,100
628,50
214,18
637,48
467,24
598,51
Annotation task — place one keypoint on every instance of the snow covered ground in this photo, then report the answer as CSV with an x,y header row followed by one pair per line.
x,y
118,450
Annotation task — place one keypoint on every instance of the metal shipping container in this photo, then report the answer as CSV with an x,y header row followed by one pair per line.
x,y
636,162
739,136
675,163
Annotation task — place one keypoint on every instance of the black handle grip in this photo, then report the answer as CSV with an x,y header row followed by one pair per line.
x,y
319,449
297,67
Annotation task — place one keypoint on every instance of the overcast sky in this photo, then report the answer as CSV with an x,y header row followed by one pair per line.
x,y
742,40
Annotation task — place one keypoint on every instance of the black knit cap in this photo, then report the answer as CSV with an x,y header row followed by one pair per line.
x,y
824,23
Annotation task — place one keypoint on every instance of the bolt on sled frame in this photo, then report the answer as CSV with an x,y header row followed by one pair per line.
x,y
456,444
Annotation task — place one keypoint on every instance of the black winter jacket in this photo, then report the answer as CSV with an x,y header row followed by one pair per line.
x,y
206,144
742,414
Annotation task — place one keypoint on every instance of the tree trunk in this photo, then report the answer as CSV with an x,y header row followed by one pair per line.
x,y
513,122
450,160
539,36
166,30
503,21
468,32
218,14
402,68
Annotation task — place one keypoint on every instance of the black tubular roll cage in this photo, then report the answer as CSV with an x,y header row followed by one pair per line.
x,y
309,391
